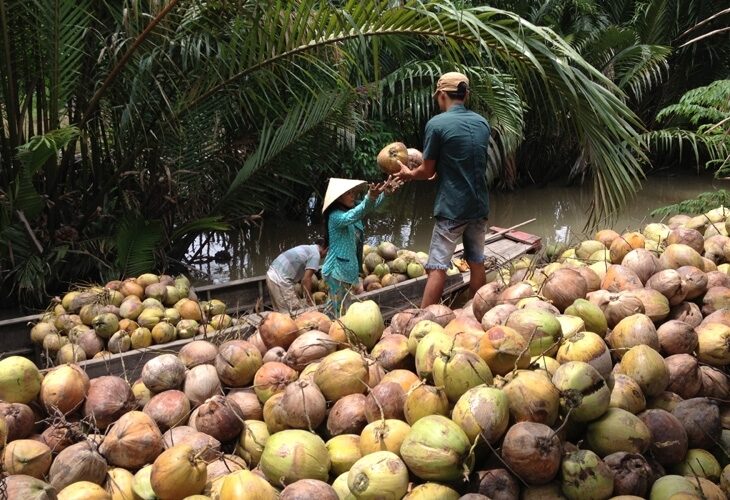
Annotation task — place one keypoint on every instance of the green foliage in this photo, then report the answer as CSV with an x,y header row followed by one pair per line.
x,y
148,122
373,136
702,107
699,205
701,121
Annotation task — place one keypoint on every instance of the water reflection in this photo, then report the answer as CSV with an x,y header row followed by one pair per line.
x,y
406,221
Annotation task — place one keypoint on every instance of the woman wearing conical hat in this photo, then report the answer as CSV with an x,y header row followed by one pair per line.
x,y
344,232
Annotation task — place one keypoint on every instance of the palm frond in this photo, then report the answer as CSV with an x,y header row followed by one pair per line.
x,y
136,243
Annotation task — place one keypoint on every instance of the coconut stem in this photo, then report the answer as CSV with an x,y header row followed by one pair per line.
x,y
499,456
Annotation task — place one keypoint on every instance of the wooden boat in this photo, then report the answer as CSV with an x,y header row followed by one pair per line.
x,y
246,297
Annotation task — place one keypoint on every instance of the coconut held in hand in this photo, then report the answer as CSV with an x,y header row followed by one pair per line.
x,y
389,156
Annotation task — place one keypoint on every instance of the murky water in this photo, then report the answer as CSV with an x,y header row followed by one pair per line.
x,y
406,221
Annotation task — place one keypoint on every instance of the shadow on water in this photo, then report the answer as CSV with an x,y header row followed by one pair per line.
x,y
406,221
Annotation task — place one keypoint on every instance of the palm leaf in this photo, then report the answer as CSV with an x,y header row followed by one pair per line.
x,y
136,242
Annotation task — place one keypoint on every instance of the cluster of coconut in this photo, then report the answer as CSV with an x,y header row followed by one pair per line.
x,y
385,264
602,375
132,314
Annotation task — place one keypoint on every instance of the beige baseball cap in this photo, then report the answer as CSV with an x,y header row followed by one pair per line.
x,y
449,82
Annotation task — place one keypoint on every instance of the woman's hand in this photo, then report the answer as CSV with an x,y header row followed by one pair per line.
x,y
393,184
374,189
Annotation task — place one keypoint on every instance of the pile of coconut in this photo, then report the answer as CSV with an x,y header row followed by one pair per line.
x,y
601,375
98,321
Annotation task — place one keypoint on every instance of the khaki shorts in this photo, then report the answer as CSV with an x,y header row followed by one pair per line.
x,y
283,298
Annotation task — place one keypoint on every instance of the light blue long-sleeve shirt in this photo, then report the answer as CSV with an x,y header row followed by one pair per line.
x,y
341,262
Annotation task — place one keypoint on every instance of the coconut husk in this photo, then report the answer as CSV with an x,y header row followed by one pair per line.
x,y
78,462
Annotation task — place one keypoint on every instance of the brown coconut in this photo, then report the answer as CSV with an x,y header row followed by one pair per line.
x,y
168,409
668,436
715,383
677,337
694,281
237,362
108,399
19,420
715,299
532,451
278,330
206,446
563,287
198,352
442,314
701,419
78,462
685,377
311,346
404,321
133,441
642,262
347,415
219,418
304,405
669,283
632,474
687,312
486,298
248,403
388,397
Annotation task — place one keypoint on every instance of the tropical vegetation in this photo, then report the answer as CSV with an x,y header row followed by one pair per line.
x,y
129,128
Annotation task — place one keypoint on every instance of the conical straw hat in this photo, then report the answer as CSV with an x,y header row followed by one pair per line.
x,y
337,187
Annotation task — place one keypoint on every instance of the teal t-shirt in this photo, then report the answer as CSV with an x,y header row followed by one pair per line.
x,y
458,139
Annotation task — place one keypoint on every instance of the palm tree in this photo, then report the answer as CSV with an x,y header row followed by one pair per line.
x,y
149,122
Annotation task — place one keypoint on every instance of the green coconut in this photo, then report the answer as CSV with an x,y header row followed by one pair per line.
x,y
365,322
251,442
532,397
618,430
399,265
482,411
584,394
431,491
646,366
539,328
591,314
292,454
588,247
344,451
589,348
106,324
387,250
381,270
700,463
667,486
378,475
419,331
437,449
429,348
585,475
415,270
372,260
459,370
20,380
570,325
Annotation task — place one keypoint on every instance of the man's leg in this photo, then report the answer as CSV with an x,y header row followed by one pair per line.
x,y
443,243
277,300
434,287
474,236
477,278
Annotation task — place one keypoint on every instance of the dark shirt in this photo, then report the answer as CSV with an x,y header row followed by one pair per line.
x,y
458,140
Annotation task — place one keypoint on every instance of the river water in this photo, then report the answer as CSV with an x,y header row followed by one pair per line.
x,y
405,220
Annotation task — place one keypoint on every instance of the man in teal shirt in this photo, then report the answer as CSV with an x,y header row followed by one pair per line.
x,y
455,148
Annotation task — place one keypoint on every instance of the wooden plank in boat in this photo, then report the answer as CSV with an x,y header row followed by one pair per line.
x,y
519,236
